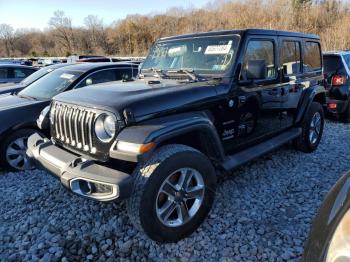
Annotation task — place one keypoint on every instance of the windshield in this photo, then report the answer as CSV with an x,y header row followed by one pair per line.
x,y
203,55
51,84
35,76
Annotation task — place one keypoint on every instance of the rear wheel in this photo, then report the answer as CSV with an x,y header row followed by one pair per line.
x,y
13,151
173,193
312,129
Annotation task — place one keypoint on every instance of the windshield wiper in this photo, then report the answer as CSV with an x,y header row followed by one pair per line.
x,y
157,72
26,96
187,71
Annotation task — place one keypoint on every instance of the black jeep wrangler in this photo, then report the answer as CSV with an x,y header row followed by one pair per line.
x,y
202,102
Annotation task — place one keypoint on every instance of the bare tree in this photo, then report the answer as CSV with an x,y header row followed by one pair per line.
x,y
63,30
7,35
136,33
97,32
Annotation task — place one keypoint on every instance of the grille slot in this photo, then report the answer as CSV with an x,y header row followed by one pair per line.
x,y
74,126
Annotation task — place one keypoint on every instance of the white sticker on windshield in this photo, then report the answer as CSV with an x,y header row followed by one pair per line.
x,y
218,49
67,76
174,50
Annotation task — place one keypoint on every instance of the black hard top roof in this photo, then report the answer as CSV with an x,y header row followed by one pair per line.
x,y
250,31
92,66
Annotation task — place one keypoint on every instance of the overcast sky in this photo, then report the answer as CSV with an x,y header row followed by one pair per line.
x,y
36,13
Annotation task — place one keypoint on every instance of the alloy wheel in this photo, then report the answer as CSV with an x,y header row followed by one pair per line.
x,y
180,197
315,128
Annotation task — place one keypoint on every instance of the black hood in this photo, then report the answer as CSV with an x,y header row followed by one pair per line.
x,y
15,110
10,89
143,97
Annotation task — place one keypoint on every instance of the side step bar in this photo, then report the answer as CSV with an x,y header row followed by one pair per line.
x,y
233,161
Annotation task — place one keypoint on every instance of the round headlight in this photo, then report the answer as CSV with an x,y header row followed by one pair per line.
x,y
109,125
105,127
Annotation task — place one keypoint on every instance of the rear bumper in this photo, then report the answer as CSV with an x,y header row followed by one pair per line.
x,y
337,106
83,177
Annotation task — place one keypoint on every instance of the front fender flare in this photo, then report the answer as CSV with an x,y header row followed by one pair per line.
x,y
162,129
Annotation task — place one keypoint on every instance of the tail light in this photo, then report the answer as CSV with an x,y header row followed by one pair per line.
x,y
338,80
332,106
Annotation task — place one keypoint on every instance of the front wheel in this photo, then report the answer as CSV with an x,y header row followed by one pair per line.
x,y
312,129
173,193
13,151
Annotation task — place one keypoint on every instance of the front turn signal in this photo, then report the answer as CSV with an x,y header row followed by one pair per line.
x,y
134,148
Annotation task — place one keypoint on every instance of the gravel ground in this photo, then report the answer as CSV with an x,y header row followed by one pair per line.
x,y
262,212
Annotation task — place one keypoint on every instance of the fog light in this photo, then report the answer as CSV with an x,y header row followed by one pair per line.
x,y
94,189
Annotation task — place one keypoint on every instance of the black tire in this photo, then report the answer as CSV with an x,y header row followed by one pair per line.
x,y
149,177
22,133
303,142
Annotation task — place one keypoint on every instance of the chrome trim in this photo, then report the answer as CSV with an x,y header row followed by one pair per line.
x,y
74,125
82,126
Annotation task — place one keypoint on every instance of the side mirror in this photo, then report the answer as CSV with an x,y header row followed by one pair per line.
x,y
255,69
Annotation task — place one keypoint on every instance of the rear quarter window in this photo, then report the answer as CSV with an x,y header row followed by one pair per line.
x,y
312,56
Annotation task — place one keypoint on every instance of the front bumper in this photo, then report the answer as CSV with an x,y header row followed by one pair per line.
x,y
83,177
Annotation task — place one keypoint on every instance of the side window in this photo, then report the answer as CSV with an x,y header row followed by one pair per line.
x,y
106,76
312,56
98,77
259,61
124,74
3,72
291,57
21,73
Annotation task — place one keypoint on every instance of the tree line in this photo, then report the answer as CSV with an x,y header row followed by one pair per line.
x,y
134,35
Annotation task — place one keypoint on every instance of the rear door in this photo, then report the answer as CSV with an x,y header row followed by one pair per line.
x,y
299,74
291,78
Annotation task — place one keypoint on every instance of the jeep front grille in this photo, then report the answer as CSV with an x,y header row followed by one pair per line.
x,y
74,126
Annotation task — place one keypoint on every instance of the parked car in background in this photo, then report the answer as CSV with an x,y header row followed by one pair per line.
x,y
13,73
202,101
76,58
95,59
337,76
11,88
18,112
329,238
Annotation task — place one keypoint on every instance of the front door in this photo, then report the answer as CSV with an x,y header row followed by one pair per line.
x,y
258,96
